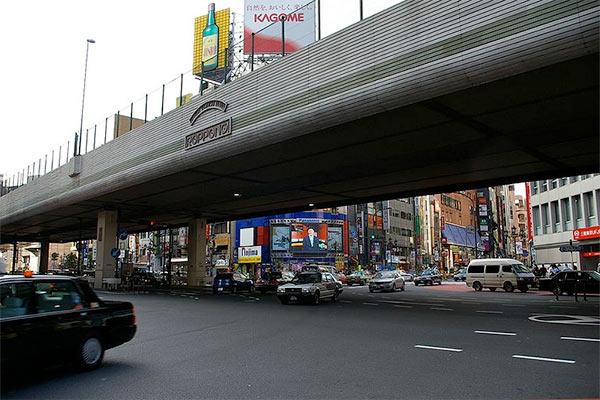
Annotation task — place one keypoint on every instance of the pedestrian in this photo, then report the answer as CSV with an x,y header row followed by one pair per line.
x,y
536,271
543,271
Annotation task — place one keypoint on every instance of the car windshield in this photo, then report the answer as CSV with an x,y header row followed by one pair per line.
x,y
594,275
306,278
385,274
427,272
519,268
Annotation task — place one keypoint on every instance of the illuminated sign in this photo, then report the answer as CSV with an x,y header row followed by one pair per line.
x,y
249,255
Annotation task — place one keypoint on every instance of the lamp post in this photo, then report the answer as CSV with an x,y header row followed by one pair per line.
x,y
87,48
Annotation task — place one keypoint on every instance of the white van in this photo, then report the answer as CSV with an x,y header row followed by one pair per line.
x,y
504,273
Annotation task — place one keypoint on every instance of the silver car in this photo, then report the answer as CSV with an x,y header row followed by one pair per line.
x,y
309,286
387,280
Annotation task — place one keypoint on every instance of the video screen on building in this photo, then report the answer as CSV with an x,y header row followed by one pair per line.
x,y
308,237
281,240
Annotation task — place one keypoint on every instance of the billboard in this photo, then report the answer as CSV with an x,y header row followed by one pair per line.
x,y
308,237
211,42
280,238
249,255
263,17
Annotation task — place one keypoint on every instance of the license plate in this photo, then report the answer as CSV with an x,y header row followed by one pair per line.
x,y
293,298
220,289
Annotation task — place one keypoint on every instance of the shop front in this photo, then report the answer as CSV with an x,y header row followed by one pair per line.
x,y
459,246
588,240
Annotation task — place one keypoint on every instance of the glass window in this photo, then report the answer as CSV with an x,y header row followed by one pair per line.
x,y
573,179
534,187
588,199
492,269
506,268
16,299
554,183
563,181
555,214
57,296
536,220
545,219
476,269
544,185
566,213
577,212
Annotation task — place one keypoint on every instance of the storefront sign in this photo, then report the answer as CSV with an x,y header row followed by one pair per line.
x,y
222,239
249,255
593,232
209,134
591,254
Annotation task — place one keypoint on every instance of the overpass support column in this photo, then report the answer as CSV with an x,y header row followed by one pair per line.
x,y
44,255
106,240
196,276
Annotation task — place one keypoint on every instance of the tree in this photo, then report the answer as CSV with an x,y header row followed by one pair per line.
x,y
70,261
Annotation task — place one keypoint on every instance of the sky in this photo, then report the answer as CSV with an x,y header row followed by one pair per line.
x,y
139,46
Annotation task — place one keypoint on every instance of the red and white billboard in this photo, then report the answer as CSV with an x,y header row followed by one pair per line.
x,y
592,232
263,18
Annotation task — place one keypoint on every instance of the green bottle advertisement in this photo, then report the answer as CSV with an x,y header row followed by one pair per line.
x,y
210,41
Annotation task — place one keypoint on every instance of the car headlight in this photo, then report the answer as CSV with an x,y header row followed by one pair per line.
x,y
305,290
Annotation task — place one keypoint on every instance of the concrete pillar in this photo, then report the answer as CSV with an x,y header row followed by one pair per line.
x,y
106,240
44,256
196,275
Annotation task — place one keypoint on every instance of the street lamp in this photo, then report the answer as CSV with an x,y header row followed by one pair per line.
x,y
87,48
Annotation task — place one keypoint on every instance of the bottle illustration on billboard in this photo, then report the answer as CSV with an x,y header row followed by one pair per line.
x,y
210,41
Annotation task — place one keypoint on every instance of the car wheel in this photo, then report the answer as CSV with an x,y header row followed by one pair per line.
x,y
394,287
349,284
477,286
91,353
371,290
508,287
215,291
492,289
316,298
335,296
569,293
440,282
402,287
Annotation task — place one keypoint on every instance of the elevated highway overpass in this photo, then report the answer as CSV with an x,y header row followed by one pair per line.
x,y
425,96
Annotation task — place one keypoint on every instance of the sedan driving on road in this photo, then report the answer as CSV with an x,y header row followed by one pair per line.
x,y
309,286
387,280
428,277
571,281
50,319
358,278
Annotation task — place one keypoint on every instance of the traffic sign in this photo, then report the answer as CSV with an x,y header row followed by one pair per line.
x,y
569,248
114,252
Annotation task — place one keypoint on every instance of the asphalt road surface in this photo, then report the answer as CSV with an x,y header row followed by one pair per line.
x,y
444,342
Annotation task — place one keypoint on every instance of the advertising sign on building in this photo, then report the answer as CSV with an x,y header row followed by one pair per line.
x,y
211,42
593,232
249,255
263,18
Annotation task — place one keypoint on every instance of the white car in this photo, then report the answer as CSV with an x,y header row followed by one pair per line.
x,y
387,280
310,286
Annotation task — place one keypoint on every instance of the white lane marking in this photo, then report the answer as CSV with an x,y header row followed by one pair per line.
x,y
371,304
566,319
399,306
345,301
582,339
420,346
490,312
496,333
441,309
558,360
410,302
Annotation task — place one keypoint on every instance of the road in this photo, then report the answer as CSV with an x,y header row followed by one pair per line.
x,y
444,342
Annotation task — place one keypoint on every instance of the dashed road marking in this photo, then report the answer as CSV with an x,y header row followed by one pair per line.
x,y
345,301
400,306
582,339
420,346
441,309
558,360
496,333
371,304
490,312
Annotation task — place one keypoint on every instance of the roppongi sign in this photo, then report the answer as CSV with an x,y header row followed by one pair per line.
x,y
263,18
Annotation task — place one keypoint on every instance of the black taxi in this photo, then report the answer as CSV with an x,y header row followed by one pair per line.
x,y
51,319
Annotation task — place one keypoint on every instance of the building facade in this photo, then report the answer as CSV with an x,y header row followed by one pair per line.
x,y
565,212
